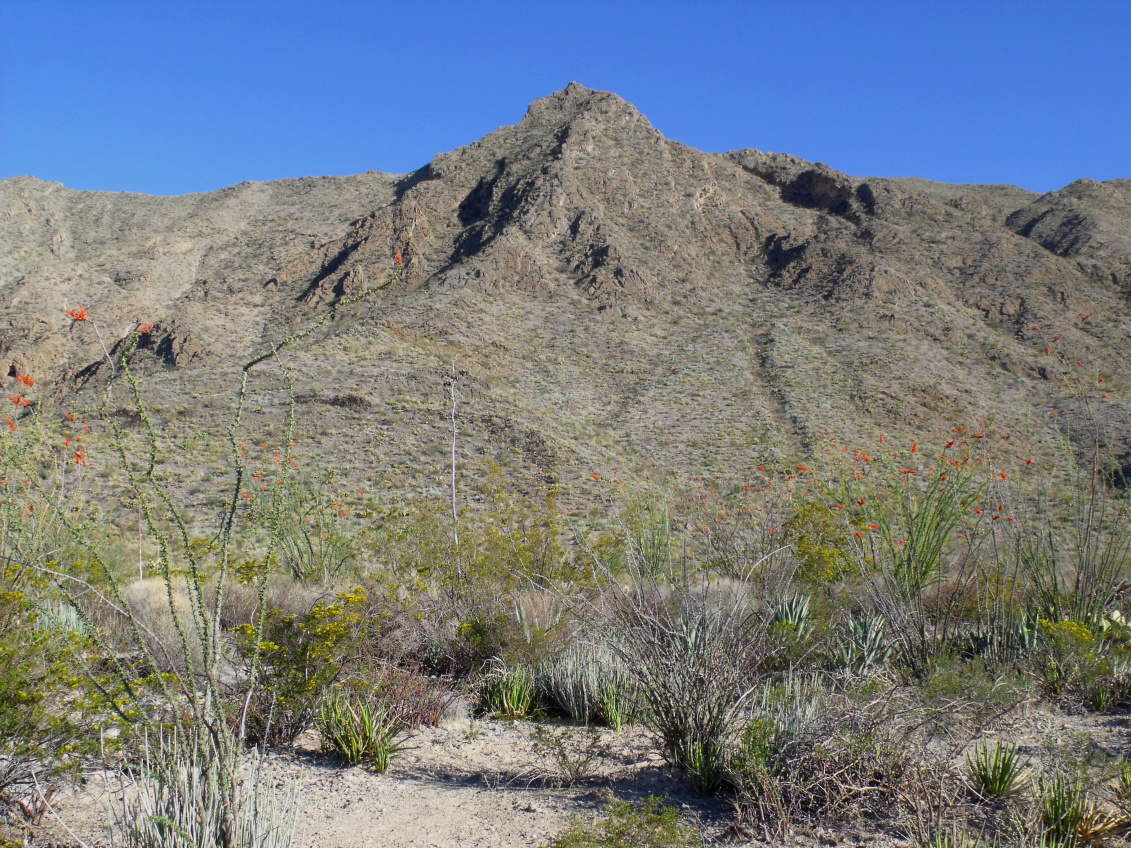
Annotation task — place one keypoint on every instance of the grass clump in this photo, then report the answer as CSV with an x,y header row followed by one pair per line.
x,y
649,824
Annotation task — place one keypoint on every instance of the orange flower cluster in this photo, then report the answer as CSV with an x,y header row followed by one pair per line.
x,y
26,380
77,314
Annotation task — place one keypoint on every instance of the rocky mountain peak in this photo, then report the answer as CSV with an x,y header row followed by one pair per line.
x,y
609,296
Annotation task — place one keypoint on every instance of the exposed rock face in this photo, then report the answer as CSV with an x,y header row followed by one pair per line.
x,y
609,298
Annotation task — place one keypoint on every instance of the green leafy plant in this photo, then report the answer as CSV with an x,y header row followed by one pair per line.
x,y
359,729
48,713
618,704
1062,809
997,772
301,656
790,618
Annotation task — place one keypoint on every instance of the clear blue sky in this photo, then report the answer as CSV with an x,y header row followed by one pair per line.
x,y
169,97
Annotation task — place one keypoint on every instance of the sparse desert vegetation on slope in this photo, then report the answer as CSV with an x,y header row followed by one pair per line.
x,y
642,568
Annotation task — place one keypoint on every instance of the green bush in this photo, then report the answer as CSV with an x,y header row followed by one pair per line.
x,y
508,692
47,714
299,657
813,753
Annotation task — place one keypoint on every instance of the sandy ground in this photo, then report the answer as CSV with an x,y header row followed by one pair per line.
x,y
478,784
483,784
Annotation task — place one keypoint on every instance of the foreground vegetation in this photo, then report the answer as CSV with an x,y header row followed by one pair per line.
x,y
833,641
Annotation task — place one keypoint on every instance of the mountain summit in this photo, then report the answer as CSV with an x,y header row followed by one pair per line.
x,y
609,298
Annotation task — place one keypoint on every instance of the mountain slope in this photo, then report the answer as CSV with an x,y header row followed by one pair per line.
x,y
608,297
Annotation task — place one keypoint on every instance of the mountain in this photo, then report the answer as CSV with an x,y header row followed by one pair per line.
x,y
607,297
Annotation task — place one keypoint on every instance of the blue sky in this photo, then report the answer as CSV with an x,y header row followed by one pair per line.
x,y
170,97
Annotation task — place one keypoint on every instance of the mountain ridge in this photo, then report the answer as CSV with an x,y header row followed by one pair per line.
x,y
610,298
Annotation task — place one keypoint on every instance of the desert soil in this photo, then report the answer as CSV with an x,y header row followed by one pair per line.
x,y
483,784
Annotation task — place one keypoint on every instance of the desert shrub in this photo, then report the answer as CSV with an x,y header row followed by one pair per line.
x,y
1073,569
414,699
650,824
573,752
298,657
48,714
901,536
1075,665
521,629
981,688
305,518
359,729
480,561
820,544
811,753
691,653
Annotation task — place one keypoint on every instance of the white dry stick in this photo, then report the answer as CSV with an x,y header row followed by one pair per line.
x,y
455,433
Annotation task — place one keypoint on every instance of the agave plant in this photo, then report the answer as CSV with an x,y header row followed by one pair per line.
x,y
862,644
791,616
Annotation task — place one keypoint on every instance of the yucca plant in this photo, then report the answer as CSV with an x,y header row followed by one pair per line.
x,y
509,692
997,772
358,729
1062,810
